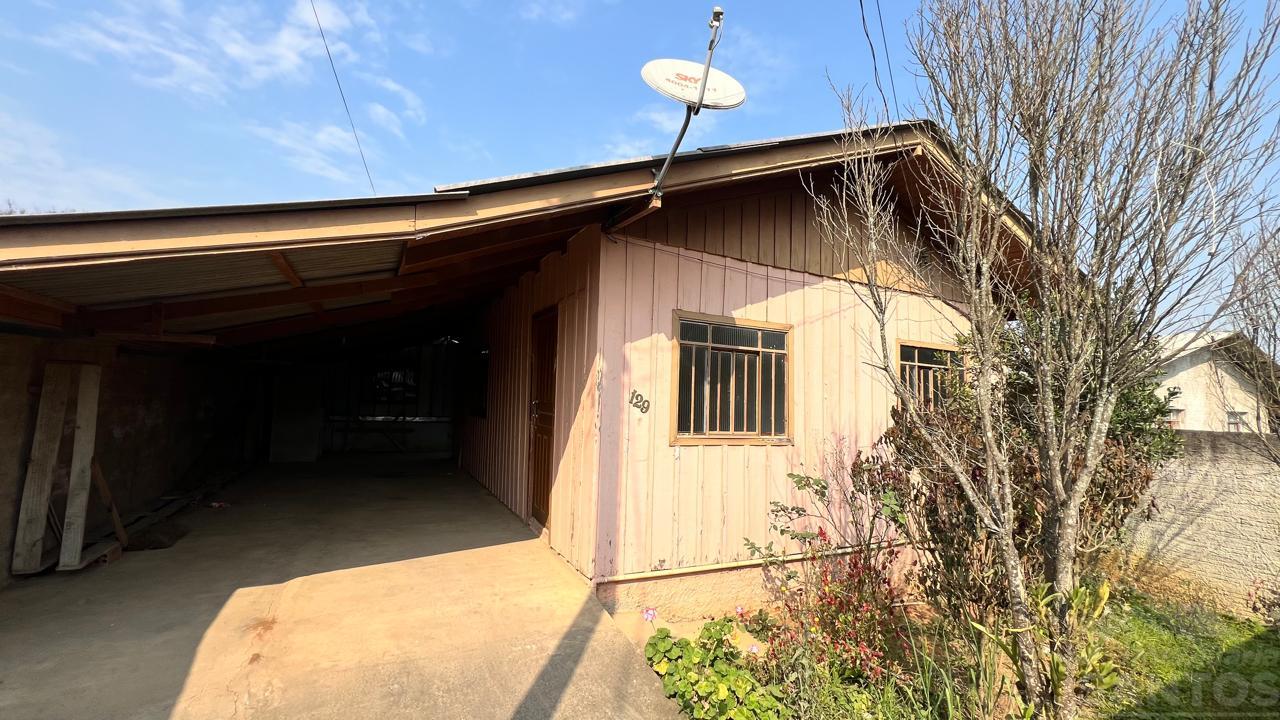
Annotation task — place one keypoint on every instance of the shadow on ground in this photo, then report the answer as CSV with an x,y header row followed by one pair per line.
x,y
355,588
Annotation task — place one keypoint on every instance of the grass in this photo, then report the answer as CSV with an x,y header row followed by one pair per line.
x,y
1188,662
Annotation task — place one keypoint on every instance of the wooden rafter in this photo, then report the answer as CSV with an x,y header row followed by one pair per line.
x,y
286,269
33,298
132,318
400,303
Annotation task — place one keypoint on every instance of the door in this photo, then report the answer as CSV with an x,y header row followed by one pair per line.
x,y
542,414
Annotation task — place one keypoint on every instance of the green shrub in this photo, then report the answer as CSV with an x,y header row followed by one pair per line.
x,y
708,677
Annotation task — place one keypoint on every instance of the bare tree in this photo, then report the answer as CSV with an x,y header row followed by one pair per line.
x,y
1092,175
1253,351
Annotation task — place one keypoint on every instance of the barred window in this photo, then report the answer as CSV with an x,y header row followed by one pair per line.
x,y
732,380
925,370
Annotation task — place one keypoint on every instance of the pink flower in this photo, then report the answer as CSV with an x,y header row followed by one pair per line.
x,y
754,649
650,614
740,611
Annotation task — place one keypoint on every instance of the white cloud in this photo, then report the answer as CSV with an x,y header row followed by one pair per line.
x,y
37,174
414,109
388,120
327,151
653,128
204,55
161,56
560,12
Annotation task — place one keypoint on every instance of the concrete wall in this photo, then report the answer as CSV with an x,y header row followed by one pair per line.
x,y
1208,390
1215,519
165,421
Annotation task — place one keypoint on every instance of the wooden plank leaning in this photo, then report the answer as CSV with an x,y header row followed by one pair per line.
x,y
73,524
28,543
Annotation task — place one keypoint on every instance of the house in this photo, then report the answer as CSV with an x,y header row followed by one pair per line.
x,y
1216,389
633,382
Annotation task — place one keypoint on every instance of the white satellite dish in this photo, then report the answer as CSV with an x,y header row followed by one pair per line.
x,y
698,86
681,80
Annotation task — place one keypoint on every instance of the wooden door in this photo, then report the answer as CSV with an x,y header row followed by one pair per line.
x,y
542,414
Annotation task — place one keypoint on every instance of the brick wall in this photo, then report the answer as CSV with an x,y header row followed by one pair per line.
x,y
1214,517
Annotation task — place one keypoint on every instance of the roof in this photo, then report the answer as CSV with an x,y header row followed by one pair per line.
x,y
453,191
239,269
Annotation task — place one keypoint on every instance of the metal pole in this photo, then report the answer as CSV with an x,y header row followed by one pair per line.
x,y
690,110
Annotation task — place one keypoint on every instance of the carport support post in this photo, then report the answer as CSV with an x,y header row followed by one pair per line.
x,y
81,467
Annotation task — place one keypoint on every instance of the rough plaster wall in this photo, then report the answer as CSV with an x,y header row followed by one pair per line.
x,y
1216,518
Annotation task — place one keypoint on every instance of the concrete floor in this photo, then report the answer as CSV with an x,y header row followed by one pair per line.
x,y
346,589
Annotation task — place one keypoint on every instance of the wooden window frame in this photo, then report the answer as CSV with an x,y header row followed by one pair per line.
x,y
927,345
718,439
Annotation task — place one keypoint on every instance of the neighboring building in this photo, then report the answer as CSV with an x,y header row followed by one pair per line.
x,y
1214,390
636,392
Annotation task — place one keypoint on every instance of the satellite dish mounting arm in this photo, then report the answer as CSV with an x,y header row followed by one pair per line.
x,y
717,16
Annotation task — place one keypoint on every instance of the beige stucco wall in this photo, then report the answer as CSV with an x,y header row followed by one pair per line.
x,y
1209,389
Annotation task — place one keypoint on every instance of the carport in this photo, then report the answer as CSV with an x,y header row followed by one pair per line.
x,y
303,379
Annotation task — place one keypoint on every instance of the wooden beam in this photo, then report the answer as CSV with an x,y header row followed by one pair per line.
x,y
172,338
418,258
633,212
282,264
400,304
139,315
104,493
28,542
31,314
78,487
32,298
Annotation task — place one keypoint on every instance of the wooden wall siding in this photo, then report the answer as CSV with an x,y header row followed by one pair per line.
x,y
776,228
665,507
495,448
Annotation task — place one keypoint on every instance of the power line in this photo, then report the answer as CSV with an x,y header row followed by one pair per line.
x,y
888,61
343,95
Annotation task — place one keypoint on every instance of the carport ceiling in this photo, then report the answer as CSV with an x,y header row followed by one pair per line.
x,y
234,298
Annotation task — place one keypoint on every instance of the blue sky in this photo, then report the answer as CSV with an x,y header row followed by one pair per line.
x,y
141,103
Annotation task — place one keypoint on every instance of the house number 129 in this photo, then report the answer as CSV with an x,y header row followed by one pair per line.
x,y
639,402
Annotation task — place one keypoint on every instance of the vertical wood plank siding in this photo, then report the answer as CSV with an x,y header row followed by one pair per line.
x,y
495,448
664,506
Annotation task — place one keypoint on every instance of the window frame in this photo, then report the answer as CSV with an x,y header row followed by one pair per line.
x,y
927,345
675,438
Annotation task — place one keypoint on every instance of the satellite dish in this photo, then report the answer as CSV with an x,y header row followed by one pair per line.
x,y
680,80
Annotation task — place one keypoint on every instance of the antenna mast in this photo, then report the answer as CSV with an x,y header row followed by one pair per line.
x,y
717,18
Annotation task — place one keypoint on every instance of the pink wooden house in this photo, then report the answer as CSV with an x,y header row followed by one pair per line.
x,y
649,374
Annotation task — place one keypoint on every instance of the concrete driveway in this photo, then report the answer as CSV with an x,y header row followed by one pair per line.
x,y
340,590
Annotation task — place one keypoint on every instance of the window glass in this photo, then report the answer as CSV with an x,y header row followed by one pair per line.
x,y
731,381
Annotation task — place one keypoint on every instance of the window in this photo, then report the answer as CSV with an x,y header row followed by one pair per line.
x,y
1235,421
924,371
732,380
1174,419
